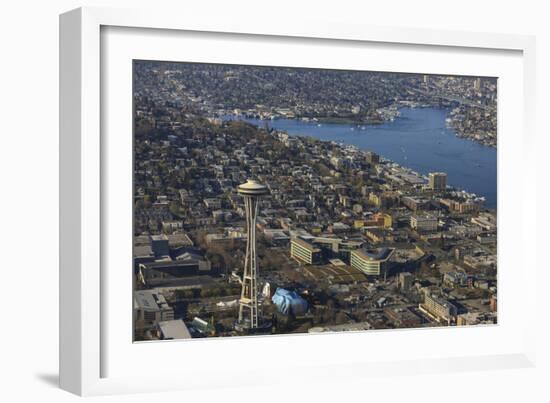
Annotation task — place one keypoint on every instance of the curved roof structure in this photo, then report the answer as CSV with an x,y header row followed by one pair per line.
x,y
252,188
379,254
289,302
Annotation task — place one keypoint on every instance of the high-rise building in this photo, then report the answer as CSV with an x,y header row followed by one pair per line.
x,y
248,304
438,180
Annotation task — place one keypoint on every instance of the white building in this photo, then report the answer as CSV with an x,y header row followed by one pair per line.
x,y
424,223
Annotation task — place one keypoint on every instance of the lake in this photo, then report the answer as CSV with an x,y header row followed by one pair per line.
x,y
418,139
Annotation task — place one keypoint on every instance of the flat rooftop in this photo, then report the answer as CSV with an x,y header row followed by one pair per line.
x,y
306,245
174,329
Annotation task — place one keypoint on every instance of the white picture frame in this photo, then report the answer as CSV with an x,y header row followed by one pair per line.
x,y
83,173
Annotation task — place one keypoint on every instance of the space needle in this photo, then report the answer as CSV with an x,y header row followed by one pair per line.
x,y
251,191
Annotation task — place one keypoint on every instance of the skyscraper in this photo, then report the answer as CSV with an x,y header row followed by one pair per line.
x,y
438,180
248,304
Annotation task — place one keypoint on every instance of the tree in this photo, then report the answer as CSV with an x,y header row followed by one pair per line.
x,y
175,208
340,318
183,294
206,293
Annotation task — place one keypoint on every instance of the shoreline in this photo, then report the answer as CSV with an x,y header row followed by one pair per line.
x,y
451,122
259,123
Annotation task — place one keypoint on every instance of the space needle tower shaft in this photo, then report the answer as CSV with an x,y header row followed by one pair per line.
x,y
251,191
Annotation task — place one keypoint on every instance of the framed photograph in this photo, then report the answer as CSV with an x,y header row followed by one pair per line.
x,y
331,198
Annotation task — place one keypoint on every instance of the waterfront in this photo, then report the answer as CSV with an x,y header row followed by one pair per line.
x,y
419,139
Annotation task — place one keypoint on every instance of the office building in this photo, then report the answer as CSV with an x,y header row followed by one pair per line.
x,y
173,272
415,203
402,317
305,251
437,180
438,308
424,223
159,245
385,199
372,262
150,308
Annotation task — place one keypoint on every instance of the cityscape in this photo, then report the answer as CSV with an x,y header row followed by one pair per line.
x,y
277,200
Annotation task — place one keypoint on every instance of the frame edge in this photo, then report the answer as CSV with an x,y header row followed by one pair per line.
x,y
70,119
77,74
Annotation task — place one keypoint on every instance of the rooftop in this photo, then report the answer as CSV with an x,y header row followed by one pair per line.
x,y
375,253
305,244
149,300
174,329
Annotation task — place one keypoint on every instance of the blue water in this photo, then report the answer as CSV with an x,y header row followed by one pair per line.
x,y
418,139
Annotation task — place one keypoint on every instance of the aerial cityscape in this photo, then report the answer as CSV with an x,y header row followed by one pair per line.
x,y
277,200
